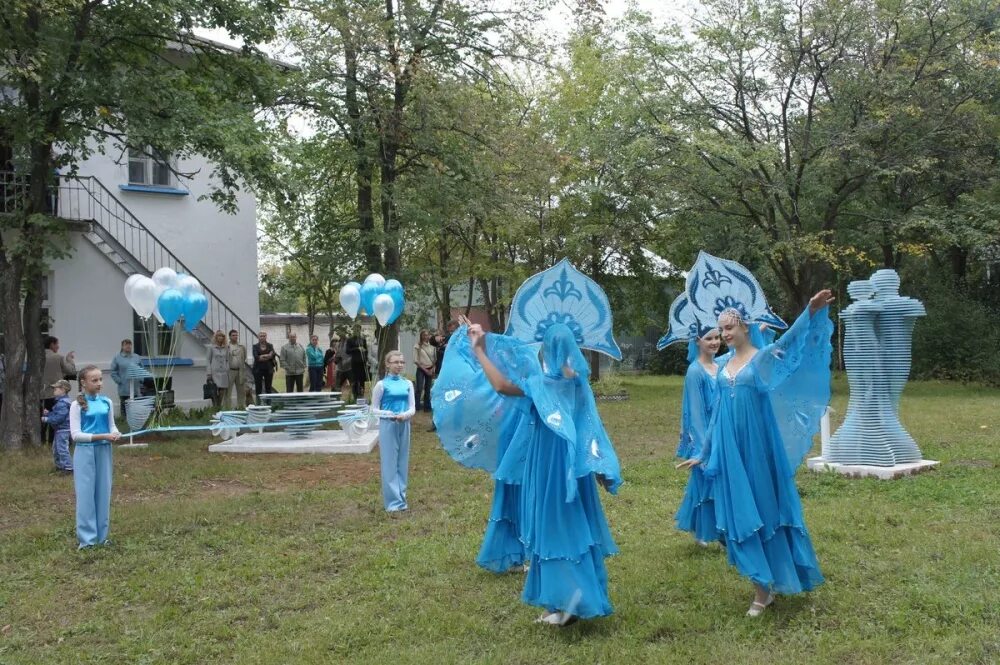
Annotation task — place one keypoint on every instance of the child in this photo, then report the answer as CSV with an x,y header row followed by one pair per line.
x,y
58,420
92,425
393,399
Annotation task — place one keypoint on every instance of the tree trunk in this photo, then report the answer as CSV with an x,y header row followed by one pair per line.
x,y
12,413
35,355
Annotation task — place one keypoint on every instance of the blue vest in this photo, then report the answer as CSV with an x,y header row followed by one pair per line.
x,y
395,394
94,420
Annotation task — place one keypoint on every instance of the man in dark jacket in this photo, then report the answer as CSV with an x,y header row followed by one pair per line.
x,y
441,343
263,365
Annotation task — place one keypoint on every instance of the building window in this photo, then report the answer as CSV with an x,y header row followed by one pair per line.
x,y
146,170
150,338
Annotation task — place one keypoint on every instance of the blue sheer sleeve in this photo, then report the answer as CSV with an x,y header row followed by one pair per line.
x,y
795,372
471,417
695,409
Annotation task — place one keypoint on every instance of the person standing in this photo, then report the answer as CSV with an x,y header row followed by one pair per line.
x,y
264,359
237,372
440,342
92,426
314,360
357,351
425,357
58,420
696,513
330,363
393,402
56,367
120,366
342,372
293,359
217,368
750,455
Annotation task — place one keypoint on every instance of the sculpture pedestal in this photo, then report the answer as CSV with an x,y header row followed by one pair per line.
x,y
319,441
819,465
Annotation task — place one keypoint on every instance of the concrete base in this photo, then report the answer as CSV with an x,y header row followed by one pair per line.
x,y
820,465
319,441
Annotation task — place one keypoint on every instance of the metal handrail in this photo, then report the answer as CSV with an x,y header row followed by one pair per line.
x,y
85,198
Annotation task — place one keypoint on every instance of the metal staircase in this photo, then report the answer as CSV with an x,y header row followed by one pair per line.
x,y
127,243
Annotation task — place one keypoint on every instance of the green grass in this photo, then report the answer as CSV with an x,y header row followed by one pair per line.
x,y
290,559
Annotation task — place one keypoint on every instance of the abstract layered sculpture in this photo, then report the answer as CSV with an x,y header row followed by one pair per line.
x,y
879,331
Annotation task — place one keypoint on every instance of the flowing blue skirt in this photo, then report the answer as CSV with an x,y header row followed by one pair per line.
x,y
756,502
566,541
696,513
502,548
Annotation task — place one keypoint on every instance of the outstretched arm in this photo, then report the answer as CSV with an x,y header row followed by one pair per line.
x,y
500,383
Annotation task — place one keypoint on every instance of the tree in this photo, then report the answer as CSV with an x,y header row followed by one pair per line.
x,y
794,118
90,75
368,68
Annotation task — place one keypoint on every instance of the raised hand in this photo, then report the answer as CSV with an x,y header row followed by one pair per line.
x,y
820,300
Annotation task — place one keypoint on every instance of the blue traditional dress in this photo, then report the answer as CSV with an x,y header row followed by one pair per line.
x,y
696,513
92,468
762,427
393,396
554,449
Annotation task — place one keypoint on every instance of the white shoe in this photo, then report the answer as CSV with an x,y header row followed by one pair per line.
x,y
756,609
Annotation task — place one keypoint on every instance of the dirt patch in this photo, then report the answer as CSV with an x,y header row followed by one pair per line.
x,y
334,472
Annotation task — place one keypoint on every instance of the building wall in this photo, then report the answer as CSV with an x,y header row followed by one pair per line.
x,y
86,300
90,316
219,249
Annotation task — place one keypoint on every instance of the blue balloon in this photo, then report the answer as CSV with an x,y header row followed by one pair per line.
x,y
171,306
392,286
369,291
195,306
399,304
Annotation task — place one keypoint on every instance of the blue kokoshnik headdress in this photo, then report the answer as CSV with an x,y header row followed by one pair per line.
x,y
563,295
563,311
714,286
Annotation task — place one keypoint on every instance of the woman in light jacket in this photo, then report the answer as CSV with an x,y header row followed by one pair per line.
x,y
217,368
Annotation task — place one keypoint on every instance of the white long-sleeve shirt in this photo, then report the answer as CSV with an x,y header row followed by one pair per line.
x,y
76,428
379,390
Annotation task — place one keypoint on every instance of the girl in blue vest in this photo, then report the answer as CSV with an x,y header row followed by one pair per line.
x,y
393,400
92,426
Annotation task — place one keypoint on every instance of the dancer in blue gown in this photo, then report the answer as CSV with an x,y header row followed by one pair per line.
x,y
696,513
561,521
769,406
532,422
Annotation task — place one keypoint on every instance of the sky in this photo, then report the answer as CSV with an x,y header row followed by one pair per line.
x,y
558,22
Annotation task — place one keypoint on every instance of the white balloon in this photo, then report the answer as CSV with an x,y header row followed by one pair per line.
x,y
375,277
165,278
383,308
187,284
143,296
350,299
129,283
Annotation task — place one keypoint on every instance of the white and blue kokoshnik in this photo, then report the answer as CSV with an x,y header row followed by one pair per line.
x,y
714,285
563,294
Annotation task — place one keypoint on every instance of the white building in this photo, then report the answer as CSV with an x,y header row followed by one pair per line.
x,y
136,217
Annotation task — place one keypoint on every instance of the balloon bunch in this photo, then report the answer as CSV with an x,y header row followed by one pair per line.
x,y
169,296
377,296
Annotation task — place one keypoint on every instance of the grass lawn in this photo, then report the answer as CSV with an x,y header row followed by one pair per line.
x,y
290,559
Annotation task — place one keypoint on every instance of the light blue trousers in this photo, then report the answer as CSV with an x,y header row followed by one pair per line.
x,y
92,478
394,456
